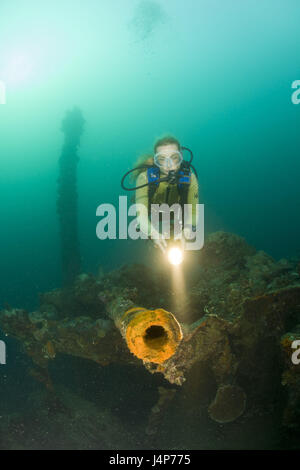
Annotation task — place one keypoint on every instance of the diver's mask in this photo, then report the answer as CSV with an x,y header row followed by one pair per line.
x,y
168,162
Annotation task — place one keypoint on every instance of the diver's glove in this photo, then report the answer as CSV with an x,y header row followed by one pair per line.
x,y
159,241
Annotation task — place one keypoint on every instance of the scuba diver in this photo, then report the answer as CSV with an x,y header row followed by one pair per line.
x,y
166,178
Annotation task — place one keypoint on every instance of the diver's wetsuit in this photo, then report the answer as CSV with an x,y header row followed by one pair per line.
x,y
165,193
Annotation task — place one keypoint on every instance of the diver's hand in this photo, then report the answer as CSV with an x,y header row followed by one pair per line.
x,y
161,244
159,241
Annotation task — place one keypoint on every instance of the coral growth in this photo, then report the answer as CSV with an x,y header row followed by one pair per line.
x,y
243,301
228,405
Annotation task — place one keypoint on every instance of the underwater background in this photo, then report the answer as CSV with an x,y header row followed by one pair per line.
x,y
216,74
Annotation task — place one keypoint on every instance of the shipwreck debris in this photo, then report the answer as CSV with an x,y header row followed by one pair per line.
x,y
245,303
